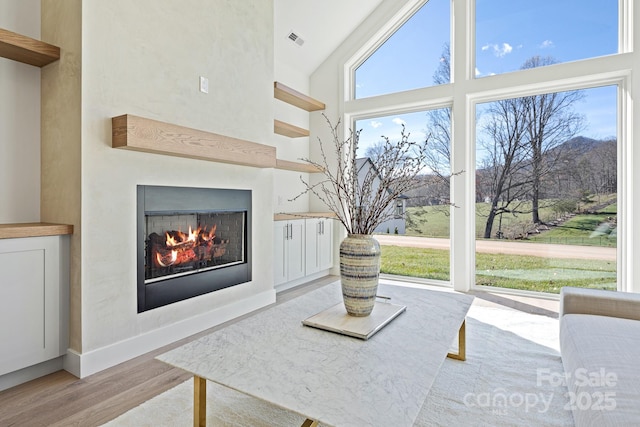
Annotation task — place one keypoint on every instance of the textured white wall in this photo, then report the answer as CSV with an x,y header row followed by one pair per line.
x,y
19,120
143,59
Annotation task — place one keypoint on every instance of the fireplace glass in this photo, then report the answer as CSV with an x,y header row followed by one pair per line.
x,y
188,243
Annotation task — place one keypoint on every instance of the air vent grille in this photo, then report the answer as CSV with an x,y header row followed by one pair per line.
x,y
295,38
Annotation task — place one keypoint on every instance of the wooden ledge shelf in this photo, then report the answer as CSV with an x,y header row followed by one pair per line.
x,y
293,97
33,229
296,166
27,50
285,129
152,136
286,216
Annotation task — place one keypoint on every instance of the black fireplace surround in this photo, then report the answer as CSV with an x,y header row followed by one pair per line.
x,y
190,241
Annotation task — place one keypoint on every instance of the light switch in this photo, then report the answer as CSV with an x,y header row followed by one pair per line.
x,y
204,84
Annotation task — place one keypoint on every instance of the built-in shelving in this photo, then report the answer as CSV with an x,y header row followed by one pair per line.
x,y
286,129
33,229
293,97
27,50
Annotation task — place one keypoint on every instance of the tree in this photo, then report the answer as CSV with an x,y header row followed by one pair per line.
x,y
437,187
375,150
550,122
507,160
439,150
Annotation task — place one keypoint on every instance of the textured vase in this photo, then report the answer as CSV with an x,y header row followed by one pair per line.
x,y
359,273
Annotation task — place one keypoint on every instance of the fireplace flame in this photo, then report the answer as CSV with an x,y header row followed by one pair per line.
x,y
178,248
170,261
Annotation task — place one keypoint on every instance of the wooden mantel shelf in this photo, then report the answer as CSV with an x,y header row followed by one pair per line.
x,y
293,97
152,136
297,166
27,50
33,229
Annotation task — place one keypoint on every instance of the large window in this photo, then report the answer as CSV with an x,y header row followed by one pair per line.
x,y
510,34
546,191
425,212
539,162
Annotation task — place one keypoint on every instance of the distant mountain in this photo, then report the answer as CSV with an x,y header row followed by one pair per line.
x,y
580,144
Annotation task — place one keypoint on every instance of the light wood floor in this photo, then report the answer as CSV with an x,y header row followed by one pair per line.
x,y
60,399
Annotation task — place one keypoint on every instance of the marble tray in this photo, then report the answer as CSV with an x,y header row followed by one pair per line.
x,y
335,319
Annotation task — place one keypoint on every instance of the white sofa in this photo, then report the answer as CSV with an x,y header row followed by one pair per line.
x,y
600,348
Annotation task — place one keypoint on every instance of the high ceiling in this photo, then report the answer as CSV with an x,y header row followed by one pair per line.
x,y
322,24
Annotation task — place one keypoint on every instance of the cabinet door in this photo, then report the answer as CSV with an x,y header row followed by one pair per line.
x,y
296,250
33,291
312,232
325,244
280,252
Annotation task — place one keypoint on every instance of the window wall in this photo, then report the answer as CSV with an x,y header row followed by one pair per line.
x,y
580,55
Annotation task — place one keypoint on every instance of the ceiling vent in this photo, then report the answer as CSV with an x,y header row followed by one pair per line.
x,y
295,38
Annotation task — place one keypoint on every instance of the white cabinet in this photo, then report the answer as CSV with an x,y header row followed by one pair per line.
x,y
302,248
289,247
33,300
319,245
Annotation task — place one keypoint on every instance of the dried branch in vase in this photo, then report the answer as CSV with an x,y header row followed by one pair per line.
x,y
362,193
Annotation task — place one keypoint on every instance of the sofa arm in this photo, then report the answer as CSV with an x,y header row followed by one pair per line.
x,y
599,302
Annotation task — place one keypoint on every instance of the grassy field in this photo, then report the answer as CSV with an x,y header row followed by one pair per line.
x,y
583,229
504,271
514,271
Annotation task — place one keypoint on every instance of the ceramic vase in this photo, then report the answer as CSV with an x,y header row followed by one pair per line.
x,y
359,273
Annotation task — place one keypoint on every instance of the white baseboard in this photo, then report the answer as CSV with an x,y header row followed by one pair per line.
x,y
15,378
306,279
84,364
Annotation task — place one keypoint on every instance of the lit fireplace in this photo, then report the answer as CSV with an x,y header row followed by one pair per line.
x,y
191,241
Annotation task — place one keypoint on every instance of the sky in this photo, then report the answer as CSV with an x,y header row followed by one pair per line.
x,y
508,32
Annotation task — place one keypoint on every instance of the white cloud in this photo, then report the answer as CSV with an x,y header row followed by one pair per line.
x,y
478,72
506,48
499,51
375,124
399,121
546,44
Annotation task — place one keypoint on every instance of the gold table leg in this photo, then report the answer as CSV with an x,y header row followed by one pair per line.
x,y
199,401
309,423
462,343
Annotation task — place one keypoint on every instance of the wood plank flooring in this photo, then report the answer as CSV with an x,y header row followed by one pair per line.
x,y
60,399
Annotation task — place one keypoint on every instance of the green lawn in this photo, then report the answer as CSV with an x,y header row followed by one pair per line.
x,y
583,229
513,271
504,271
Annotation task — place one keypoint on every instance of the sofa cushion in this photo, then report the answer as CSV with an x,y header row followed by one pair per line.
x,y
601,358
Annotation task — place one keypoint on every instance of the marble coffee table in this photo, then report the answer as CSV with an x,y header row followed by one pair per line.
x,y
325,376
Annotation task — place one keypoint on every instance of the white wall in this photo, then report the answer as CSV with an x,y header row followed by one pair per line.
x,y
19,120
